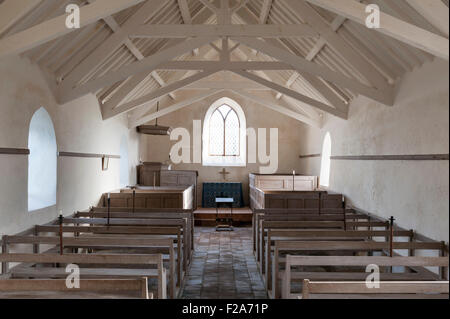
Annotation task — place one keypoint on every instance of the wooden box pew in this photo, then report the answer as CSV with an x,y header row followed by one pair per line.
x,y
386,290
360,262
111,245
328,225
88,289
138,223
107,262
276,262
152,213
301,215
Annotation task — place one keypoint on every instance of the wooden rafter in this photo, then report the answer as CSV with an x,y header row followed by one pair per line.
x,y
148,64
302,65
148,98
228,30
100,53
328,33
293,94
436,12
175,106
265,11
56,27
267,100
12,11
391,26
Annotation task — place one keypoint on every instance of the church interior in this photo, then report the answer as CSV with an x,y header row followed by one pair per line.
x,y
224,149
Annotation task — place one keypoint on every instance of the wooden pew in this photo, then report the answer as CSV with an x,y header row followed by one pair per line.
x,y
57,288
170,214
386,290
309,224
108,262
280,235
149,213
139,223
337,248
173,232
300,215
350,261
98,244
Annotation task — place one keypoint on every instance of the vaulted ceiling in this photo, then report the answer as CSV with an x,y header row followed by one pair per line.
x,y
302,58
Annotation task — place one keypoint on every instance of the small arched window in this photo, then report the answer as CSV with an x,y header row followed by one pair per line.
x,y
326,161
224,139
42,162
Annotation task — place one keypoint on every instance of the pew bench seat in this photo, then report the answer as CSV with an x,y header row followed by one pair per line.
x,y
386,290
57,289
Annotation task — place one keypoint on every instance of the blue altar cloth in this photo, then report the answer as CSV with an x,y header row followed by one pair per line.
x,y
213,190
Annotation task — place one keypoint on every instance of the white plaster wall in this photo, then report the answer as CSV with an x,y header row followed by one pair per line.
x,y
416,193
290,132
79,128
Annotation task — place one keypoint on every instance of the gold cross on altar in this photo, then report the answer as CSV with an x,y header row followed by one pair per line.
x,y
224,174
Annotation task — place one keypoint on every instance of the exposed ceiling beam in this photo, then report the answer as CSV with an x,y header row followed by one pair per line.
x,y
12,11
148,64
185,13
267,100
227,85
130,84
175,106
110,45
340,45
149,98
391,26
56,27
228,30
293,94
210,6
111,22
265,11
201,65
435,11
302,65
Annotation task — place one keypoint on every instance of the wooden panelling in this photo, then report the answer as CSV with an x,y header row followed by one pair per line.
x,y
180,178
181,198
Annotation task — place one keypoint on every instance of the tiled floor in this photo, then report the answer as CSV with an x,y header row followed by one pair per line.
x,y
223,267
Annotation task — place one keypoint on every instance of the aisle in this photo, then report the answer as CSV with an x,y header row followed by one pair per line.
x,y
223,267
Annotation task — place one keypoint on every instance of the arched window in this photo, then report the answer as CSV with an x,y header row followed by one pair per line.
x,y
124,168
326,161
224,134
42,162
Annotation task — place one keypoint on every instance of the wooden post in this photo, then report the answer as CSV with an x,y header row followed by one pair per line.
x,y
412,251
391,238
109,207
35,246
134,197
320,202
5,250
61,246
443,271
305,289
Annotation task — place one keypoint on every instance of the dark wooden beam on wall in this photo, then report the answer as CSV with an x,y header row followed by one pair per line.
x,y
14,151
87,155
421,157
310,155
